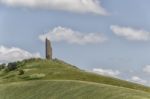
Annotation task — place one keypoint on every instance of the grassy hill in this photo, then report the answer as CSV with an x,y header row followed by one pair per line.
x,y
67,90
43,79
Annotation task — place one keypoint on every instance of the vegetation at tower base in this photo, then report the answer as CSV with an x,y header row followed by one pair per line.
x,y
55,79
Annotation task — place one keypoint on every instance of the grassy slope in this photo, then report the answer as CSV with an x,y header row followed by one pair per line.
x,y
67,90
43,70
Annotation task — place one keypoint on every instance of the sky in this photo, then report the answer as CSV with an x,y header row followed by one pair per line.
x,y
109,37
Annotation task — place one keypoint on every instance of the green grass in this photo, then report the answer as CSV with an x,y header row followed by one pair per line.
x,y
67,90
58,79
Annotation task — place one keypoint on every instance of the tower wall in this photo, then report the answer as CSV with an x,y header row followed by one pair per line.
x,y
48,49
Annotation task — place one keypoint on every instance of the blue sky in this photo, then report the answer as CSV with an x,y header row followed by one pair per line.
x,y
110,37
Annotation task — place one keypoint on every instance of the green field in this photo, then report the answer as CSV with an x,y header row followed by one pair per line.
x,y
56,79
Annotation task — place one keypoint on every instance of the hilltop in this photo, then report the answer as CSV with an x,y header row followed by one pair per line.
x,y
57,79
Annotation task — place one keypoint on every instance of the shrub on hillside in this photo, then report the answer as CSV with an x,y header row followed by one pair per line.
x,y
12,66
20,63
20,72
2,66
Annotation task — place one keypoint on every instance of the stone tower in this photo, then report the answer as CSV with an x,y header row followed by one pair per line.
x,y
48,49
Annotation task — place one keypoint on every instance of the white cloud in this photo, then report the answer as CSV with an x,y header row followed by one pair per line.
x,y
138,80
130,33
59,34
107,72
147,69
14,54
80,6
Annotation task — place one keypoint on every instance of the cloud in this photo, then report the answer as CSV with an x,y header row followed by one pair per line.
x,y
147,69
106,72
138,80
15,54
79,6
130,33
60,34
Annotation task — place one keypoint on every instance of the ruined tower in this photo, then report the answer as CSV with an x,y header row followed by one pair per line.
x,y
48,49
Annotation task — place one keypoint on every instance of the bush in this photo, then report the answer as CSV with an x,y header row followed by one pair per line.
x,y
20,64
2,66
12,66
20,72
